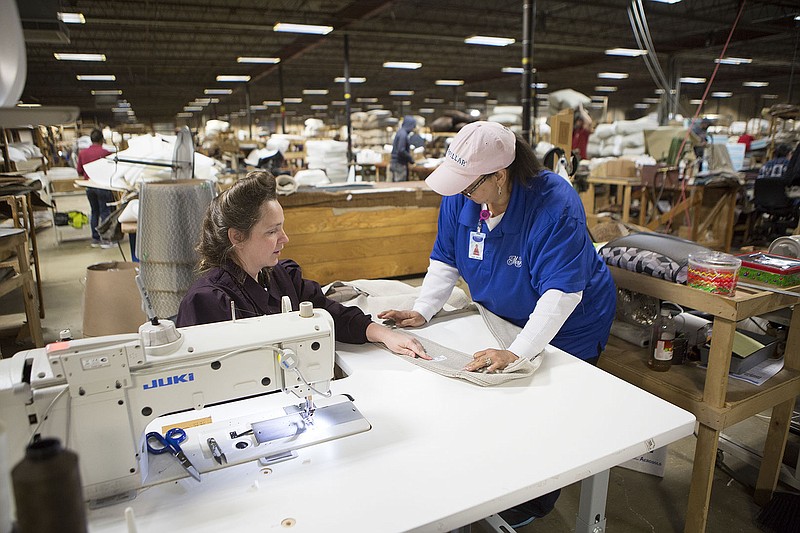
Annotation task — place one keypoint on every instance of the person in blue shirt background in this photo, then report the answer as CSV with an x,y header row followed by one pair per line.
x,y
517,235
777,166
401,149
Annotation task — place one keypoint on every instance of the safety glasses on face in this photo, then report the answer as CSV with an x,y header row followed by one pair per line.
x,y
469,191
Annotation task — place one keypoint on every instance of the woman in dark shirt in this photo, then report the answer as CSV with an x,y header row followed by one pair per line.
x,y
240,262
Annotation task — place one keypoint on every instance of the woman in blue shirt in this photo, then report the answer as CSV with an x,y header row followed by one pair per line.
x,y
517,235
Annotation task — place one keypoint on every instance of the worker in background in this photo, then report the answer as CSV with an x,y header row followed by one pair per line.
x,y
240,262
99,199
401,150
699,131
517,235
581,129
776,167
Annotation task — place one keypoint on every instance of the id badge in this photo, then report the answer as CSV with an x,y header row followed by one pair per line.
x,y
476,242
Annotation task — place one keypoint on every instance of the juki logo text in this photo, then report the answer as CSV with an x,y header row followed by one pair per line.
x,y
172,380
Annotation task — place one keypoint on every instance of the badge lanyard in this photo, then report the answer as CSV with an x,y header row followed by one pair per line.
x,y
477,238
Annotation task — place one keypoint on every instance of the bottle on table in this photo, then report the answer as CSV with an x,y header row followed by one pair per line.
x,y
662,342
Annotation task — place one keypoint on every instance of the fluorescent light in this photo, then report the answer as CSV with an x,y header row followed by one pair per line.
x,y
96,77
641,106
401,93
651,100
200,101
123,103
627,52
612,75
23,104
721,94
402,64
733,60
539,85
184,115
272,103
112,92
513,70
215,100
450,83
605,88
491,102
302,28
696,101
225,77
660,91
367,100
319,107
71,18
474,113
797,17
340,79
79,57
755,84
434,100
596,105
193,108
692,79
426,110
266,60
598,98
292,100
258,107
339,102
405,102
477,94
315,91
217,91
769,96
489,41
375,106
666,1
119,109
543,96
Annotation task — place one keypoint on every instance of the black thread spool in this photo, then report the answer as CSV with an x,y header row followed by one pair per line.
x,y
48,490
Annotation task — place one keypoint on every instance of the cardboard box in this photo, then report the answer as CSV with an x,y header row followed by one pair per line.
x,y
621,168
653,463
111,301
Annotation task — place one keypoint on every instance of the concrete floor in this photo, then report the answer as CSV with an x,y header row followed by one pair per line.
x,y
637,502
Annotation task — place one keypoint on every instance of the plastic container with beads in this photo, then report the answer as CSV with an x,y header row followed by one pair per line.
x,y
713,272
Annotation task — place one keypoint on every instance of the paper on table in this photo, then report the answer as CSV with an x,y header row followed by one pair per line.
x,y
744,345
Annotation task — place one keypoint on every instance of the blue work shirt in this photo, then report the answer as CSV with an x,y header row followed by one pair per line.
x,y
541,243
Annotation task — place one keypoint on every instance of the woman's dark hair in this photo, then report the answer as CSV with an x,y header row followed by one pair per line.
x,y
525,165
96,136
782,150
239,208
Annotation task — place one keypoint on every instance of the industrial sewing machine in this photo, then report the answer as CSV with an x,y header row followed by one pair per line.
x,y
99,395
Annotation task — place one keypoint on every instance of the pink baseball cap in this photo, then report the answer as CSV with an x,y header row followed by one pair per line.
x,y
479,148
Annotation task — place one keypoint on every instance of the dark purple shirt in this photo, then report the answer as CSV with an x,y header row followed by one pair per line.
x,y
209,299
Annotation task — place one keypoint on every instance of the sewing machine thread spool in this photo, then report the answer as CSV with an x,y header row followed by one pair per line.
x,y
48,490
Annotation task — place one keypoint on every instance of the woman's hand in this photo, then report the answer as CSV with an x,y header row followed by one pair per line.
x,y
397,342
403,319
491,360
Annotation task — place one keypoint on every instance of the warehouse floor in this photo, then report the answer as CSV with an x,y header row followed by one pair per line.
x,y
637,502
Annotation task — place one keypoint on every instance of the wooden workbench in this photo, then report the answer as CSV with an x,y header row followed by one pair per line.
x,y
715,400
623,196
380,232
14,240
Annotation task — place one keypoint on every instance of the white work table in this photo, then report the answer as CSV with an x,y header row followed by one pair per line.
x,y
441,453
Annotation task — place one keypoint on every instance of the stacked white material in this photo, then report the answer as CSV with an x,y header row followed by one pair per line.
x,y
374,128
567,99
281,142
331,156
215,127
313,127
758,126
106,173
508,115
368,157
737,127
623,137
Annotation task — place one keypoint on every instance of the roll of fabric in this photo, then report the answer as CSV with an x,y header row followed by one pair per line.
x,y
171,219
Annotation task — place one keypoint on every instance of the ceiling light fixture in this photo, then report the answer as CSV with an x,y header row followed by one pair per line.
x,y
606,88
476,94
721,94
258,107
23,104
539,85
626,52
217,91
769,96
666,1
696,101
402,64
315,91
755,84
231,78
434,100
340,79
651,100
111,92
288,27
79,57
319,107
489,41
401,93
733,60
612,75
96,77
660,91
71,18
293,100
260,60
513,70
641,106
185,115
426,110
339,102
193,108
375,106
692,79
450,83
364,100
272,103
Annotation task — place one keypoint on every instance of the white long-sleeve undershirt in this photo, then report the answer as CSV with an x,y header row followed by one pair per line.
x,y
547,318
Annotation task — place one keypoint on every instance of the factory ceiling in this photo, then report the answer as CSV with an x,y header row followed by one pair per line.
x,y
166,55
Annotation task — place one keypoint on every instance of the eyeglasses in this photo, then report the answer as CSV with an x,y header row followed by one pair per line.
x,y
469,191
